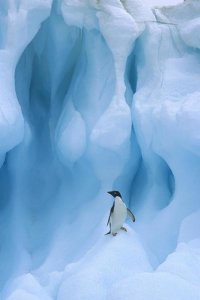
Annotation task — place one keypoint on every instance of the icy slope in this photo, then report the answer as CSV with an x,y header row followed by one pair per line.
x,y
98,95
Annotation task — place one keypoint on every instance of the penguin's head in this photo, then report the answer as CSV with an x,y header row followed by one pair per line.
x,y
115,194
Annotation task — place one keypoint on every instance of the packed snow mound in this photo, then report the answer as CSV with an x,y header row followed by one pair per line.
x,y
184,262
98,95
156,285
26,287
109,261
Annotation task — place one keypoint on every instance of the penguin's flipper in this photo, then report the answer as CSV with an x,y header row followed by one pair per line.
x,y
111,211
131,215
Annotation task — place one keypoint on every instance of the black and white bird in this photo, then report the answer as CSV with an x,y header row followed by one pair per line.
x,y
118,214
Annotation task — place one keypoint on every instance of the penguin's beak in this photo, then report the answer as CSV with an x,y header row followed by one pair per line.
x,y
111,193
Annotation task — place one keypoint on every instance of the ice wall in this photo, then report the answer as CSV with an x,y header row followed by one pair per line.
x,y
98,95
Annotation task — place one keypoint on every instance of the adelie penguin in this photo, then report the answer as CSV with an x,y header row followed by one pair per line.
x,y
118,214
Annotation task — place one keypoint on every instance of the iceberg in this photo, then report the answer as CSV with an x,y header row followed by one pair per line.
x,y
98,95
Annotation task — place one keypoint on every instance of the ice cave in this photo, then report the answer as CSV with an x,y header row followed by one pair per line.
x,y
98,95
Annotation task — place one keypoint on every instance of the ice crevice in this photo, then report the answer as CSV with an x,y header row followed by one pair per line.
x,y
96,95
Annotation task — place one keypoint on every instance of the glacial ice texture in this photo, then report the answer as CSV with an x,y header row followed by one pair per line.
x,y
98,95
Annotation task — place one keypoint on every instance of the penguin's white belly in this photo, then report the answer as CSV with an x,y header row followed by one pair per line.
x,y
118,216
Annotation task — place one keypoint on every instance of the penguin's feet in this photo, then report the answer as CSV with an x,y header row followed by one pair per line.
x,y
114,234
107,233
123,228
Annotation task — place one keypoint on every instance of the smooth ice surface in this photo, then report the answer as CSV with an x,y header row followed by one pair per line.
x,y
98,95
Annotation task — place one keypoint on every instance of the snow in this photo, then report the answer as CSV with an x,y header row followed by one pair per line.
x,y
184,262
98,95
27,287
143,286
108,262
161,3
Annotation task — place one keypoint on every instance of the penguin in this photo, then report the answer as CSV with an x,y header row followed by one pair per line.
x,y
118,214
